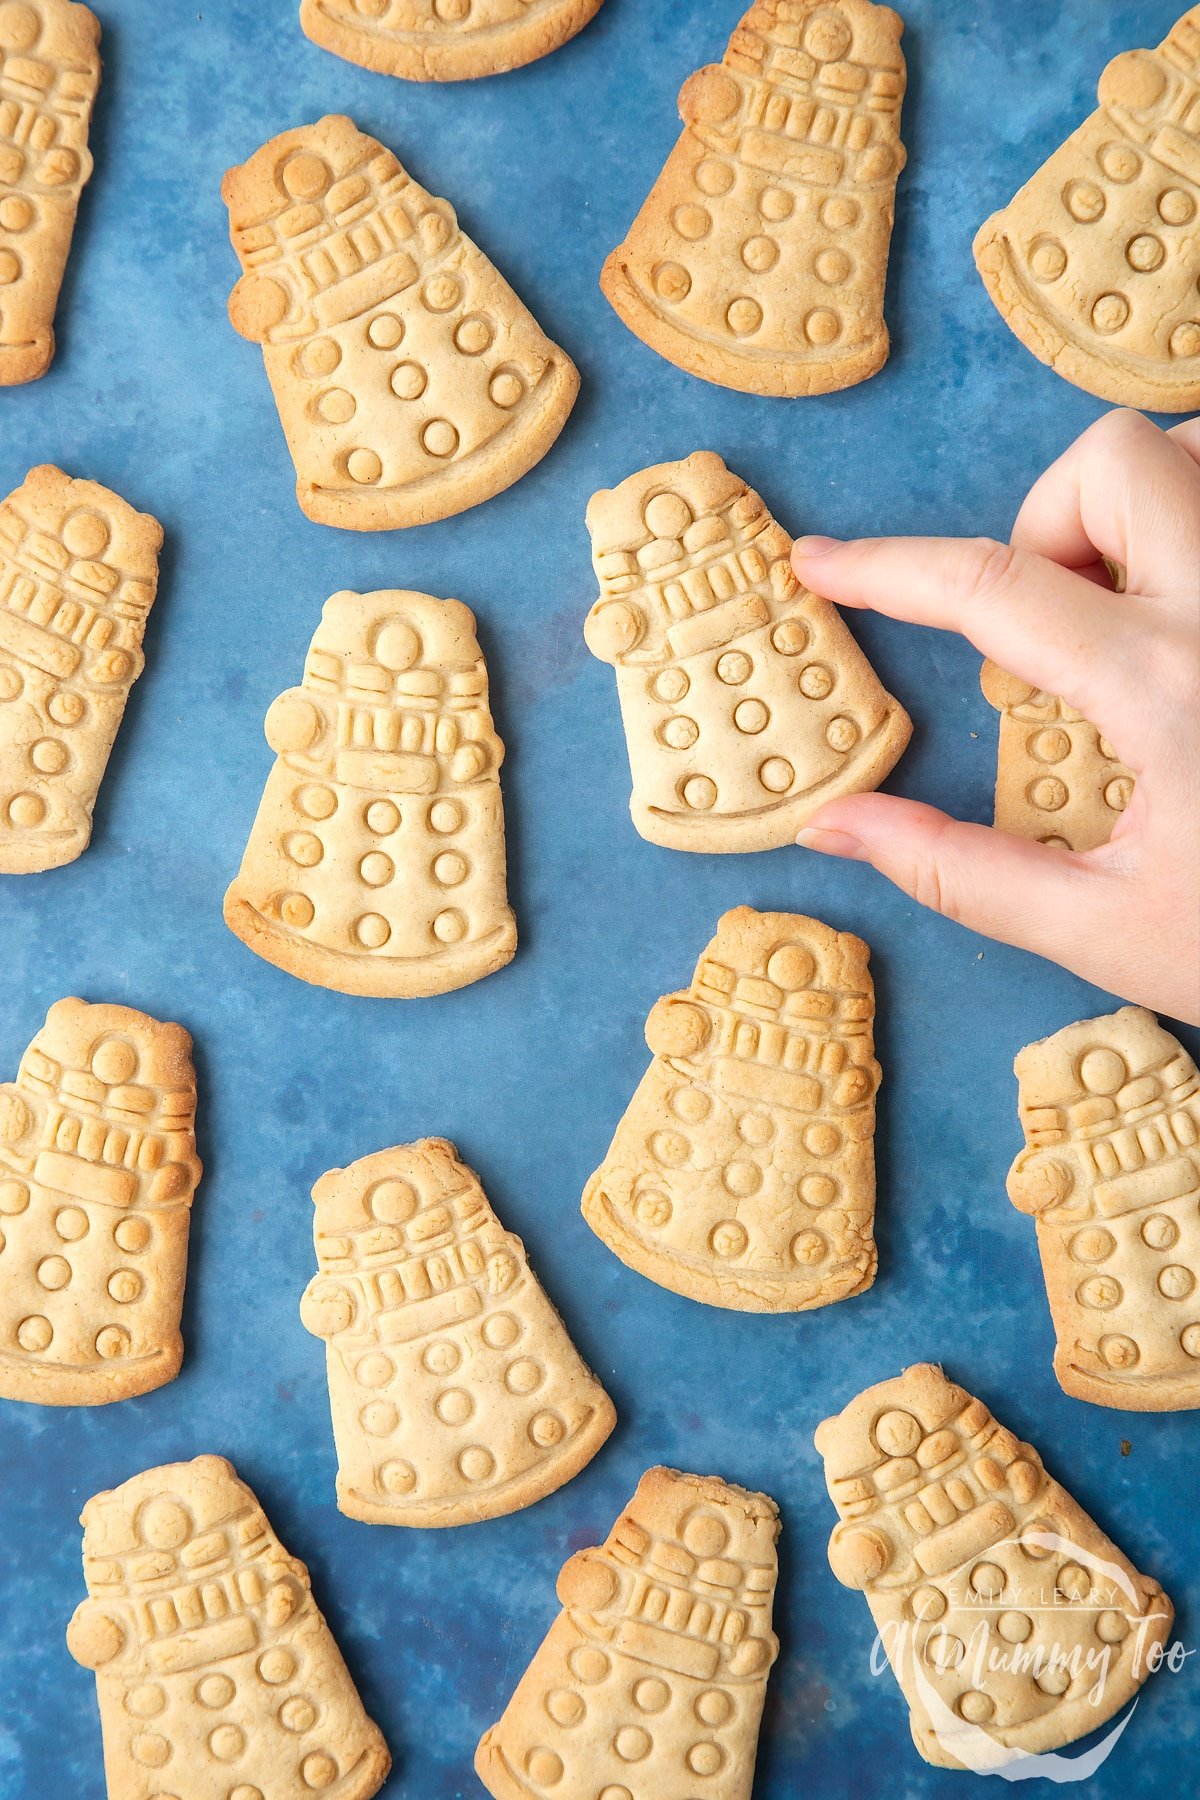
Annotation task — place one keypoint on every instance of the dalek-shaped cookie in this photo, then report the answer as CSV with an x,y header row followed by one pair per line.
x,y
376,864
759,258
1094,263
78,576
1011,1622
98,1167
1058,780
216,1674
743,1172
49,74
455,1391
651,1681
411,381
443,40
746,702
1111,1172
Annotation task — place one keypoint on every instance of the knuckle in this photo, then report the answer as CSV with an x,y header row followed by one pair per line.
x,y
932,881
985,566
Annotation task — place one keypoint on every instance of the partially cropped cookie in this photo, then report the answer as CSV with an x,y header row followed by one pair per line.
x,y
1111,1172
1094,263
98,1167
743,1172
651,1681
746,702
216,1674
455,1391
78,576
1011,1622
49,75
759,258
444,40
410,380
376,864
1057,779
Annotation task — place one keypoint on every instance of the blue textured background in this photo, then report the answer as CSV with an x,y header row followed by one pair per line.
x,y
528,1072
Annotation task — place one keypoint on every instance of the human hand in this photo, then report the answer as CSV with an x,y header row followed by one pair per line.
x,y
1127,915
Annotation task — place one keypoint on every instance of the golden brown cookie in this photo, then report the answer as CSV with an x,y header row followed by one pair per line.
x,y
1111,1172
651,1680
745,700
78,576
743,1172
455,1391
376,863
410,380
49,74
444,40
98,1167
1011,1622
216,1674
1094,264
759,258
1057,779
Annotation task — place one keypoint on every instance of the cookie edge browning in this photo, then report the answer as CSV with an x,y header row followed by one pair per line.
x,y
362,974
746,1294
511,1498
59,1387
514,46
1083,368
773,829
766,377
479,477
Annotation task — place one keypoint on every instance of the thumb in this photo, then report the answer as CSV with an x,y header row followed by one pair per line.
x,y
1023,893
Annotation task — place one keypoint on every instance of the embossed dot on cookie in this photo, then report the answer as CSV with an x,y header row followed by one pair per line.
x,y
743,316
364,467
408,381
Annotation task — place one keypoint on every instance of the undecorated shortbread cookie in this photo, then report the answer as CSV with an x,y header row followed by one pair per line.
x,y
651,1680
1111,1172
745,700
216,1674
743,1172
1094,263
78,576
1011,1622
376,863
1057,779
759,257
49,74
98,1167
455,1391
410,380
444,40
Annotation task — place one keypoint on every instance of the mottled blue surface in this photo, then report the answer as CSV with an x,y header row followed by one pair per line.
x,y
528,1072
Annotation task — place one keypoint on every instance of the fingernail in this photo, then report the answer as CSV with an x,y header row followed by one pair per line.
x,y
806,547
832,843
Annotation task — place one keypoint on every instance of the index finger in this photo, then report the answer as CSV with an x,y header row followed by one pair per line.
x,y
1046,625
